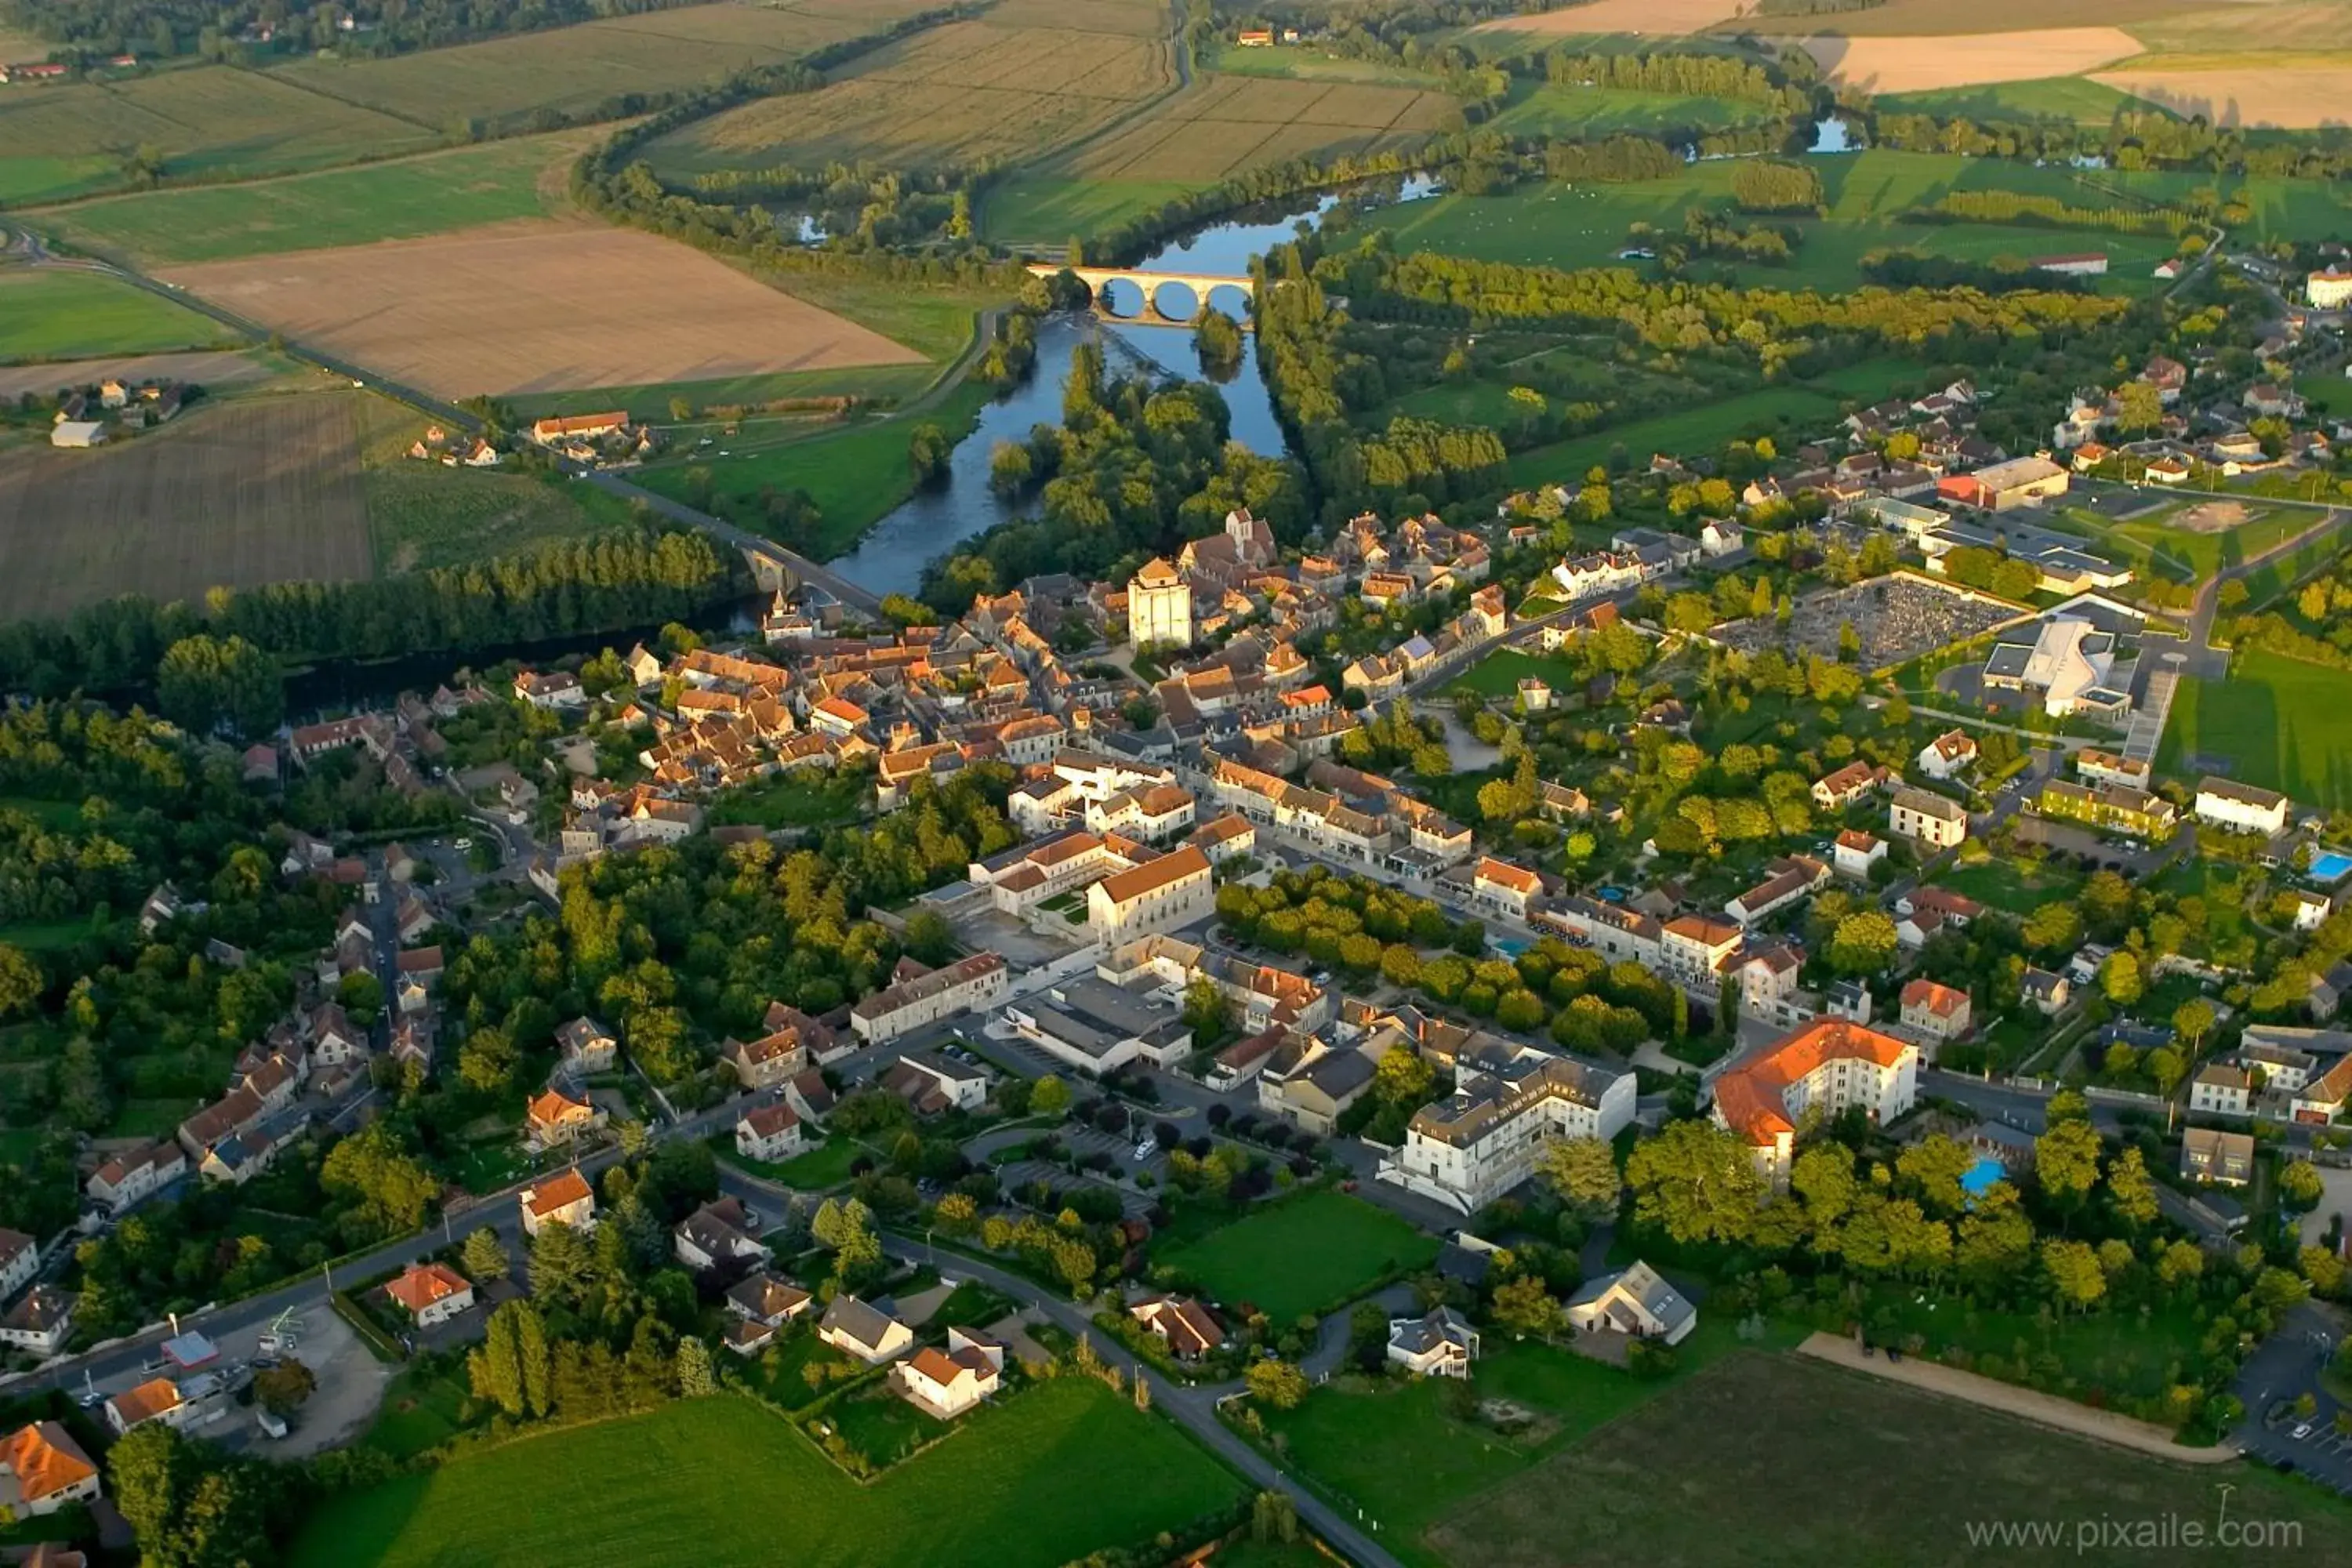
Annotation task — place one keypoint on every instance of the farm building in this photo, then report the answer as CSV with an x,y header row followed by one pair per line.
x,y
77,433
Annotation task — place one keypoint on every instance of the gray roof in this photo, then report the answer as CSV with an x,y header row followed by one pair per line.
x,y
849,1315
1645,1285
1419,1336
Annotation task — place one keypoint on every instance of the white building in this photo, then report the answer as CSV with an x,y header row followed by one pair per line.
x,y
564,1198
42,1470
1928,819
2241,808
1635,1302
771,1134
969,984
947,1382
2328,290
2221,1091
1441,1344
1471,1148
1158,606
1174,890
2067,668
20,1259
1855,852
1948,755
1824,1066
431,1293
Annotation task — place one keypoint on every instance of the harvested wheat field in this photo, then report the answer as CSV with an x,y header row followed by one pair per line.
x,y
1619,17
2290,97
537,307
214,370
1237,122
1915,65
239,494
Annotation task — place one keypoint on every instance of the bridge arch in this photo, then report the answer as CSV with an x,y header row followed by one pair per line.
x,y
1162,304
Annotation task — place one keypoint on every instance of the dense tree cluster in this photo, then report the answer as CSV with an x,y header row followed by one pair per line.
x,y
169,28
1682,75
130,643
1136,466
1768,185
2020,210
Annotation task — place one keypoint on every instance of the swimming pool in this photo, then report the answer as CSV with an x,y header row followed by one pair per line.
x,y
1509,946
1979,1178
2329,867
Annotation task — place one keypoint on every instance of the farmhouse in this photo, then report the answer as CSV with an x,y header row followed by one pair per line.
x,y
78,433
564,1198
579,426
1931,819
431,1293
948,1382
42,1470
2074,264
856,1329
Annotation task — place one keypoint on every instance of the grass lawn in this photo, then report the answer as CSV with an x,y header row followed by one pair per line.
x,y
2005,885
1697,1477
879,1424
779,1371
2206,554
48,936
798,799
683,1473
54,315
399,200
855,474
1298,63
827,1165
1304,1255
2048,97
2327,392
1392,1449
1042,206
1545,109
2113,1354
420,1411
2274,722
1500,674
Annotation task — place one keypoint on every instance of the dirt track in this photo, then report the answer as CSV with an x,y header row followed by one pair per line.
x,y
536,307
2045,1409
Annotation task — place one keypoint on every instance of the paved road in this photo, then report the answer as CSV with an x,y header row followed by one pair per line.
x,y
1195,1409
803,569
2287,1364
2203,657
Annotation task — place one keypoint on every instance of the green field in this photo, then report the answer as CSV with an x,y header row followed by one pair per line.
x,y
2154,540
1758,1460
1057,1472
2004,885
856,475
1500,674
2279,723
399,200
2048,97
206,122
1301,63
58,315
1543,109
1042,206
1304,1255
422,514
1767,411
1585,226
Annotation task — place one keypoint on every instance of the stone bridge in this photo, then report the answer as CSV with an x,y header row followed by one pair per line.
x,y
1150,285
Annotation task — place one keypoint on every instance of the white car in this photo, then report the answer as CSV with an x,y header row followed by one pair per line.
x,y
2302,1431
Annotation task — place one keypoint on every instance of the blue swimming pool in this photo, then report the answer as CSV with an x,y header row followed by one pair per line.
x,y
1509,946
1979,1178
2329,867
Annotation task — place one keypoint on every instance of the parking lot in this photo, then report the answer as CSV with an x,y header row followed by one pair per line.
x,y
2284,1367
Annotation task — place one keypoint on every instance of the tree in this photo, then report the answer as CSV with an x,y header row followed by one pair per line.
x,y
929,450
484,1256
2066,1159
1217,339
2139,405
1864,943
561,1266
2299,1186
2119,977
1277,1383
1697,1181
2193,1020
1049,1096
2129,1185
21,981
2074,1272
495,1367
2167,1067
1583,1172
2053,928
281,1389
694,1377
929,937
1403,1078
1525,1307
206,684
392,1190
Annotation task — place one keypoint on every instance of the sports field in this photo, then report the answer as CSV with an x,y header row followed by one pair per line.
x,y
1304,1255
260,490
535,307
1001,88
1060,1471
2275,722
572,69
52,314
1697,1468
402,199
1219,127
60,141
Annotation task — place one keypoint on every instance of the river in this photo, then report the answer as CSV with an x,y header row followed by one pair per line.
x,y
891,557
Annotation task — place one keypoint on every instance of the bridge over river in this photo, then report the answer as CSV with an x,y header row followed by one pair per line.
x,y
1156,311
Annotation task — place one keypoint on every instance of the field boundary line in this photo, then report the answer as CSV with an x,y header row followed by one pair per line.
x,y
2026,1404
321,92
